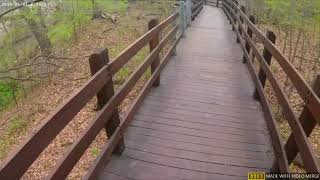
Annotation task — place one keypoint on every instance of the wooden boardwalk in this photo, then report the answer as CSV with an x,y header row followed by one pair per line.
x,y
201,122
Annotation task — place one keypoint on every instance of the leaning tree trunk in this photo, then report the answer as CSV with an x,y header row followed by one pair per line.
x,y
38,30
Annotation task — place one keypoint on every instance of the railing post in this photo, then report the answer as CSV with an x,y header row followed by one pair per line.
x,y
97,61
182,17
225,9
308,122
267,56
250,33
243,9
233,16
217,3
153,44
189,11
176,22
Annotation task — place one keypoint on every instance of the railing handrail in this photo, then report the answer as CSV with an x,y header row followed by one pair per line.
x,y
305,91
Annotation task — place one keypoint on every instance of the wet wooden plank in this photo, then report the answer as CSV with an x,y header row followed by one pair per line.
x,y
219,134
217,142
197,147
252,126
198,126
143,170
196,156
213,106
196,109
189,164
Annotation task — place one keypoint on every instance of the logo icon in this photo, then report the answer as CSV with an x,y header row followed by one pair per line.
x,y
256,176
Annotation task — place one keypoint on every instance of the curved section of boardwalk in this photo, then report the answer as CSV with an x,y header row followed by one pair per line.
x,y
201,122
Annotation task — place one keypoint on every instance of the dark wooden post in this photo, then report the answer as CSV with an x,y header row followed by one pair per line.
x,y
217,3
228,10
153,44
97,61
267,56
308,122
233,15
250,33
243,9
225,9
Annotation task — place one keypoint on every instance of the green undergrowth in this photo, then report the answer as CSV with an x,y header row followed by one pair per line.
x,y
63,25
9,90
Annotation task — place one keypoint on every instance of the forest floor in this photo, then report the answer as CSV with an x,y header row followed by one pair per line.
x,y
21,120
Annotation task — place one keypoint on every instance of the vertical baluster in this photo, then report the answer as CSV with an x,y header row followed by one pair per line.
x,y
189,12
233,16
267,57
250,33
97,61
243,9
153,44
182,17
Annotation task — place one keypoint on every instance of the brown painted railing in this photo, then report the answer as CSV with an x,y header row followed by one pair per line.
x,y
301,127
196,9
213,2
100,84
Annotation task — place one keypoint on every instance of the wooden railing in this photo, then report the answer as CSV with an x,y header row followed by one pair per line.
x,y
196,9
213,2
300,127
100,84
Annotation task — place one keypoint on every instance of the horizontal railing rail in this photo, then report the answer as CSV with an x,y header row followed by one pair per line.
x,y
101,85
213,2
299,138
196,9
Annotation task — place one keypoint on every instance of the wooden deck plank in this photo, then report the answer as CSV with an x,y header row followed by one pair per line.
x,y
232,107
233,136
218,142
199,126
205,100
143,170
203,96
196,147
201,122
215,116
189,164
196,156
196,109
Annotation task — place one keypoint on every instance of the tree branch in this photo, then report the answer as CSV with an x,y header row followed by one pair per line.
x,y
18,7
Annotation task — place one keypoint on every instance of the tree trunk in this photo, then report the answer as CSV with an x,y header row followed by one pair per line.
x,y
38,30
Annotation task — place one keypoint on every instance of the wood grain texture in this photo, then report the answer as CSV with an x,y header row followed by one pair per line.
x,y
201,122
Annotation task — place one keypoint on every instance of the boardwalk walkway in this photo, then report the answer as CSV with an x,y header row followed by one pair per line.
x,y
201,122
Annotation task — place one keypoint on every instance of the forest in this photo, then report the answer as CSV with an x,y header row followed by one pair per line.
x,y
45,46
